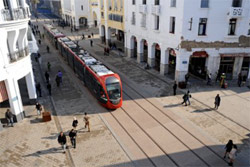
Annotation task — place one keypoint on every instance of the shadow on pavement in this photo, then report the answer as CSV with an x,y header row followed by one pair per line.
x,y
172,105
203,110
43,152
36,120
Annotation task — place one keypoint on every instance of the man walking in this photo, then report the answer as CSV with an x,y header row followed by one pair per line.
x,y
9,116
188,96
91,43
86,119
92,34
49,88
59,74
184,99
62,141
58,81
175,87
47,76
239,79
38,108
72,135
217,102
47,49
48,66
38,89
74,123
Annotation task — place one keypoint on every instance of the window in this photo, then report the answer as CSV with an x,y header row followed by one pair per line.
x,y
204,3
133,18
173,3
157,2
133,2
157,22
81,7
6,4
237,3
248,32
102,14
202,26
143,20
121,4
110,5
19,3
144,2
232,27
172,25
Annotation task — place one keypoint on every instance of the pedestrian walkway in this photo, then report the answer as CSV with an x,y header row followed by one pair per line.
x,y
230,121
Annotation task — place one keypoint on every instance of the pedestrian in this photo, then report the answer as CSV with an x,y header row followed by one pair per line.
x,y
91,43
49,88
186,78
217,101
209,76
184,97
74,123
175,87
239,79
62,141
72,135
244,80
188,97
105,51
222,80
59,74
36,57
228,148
48,66
38,108
86,119
48,49
58,81
9,116
71,29
39,41
47,76
108,51
43,36
92,34
83,36
232,155
38,89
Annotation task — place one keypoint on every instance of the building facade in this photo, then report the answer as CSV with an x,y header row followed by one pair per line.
x,y
112,20
55,6
76,13
195,36
95,13
15,61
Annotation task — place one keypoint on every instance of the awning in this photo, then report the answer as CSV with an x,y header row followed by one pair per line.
x,y
234,54
200,54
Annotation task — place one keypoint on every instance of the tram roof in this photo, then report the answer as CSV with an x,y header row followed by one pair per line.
x,y
101,70
65,39
89,60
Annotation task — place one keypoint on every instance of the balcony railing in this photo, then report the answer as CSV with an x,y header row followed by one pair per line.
x,y
19,54
15,13
236,12
143,9
156,9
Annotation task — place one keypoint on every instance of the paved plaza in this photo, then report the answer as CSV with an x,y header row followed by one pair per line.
x,y
34,143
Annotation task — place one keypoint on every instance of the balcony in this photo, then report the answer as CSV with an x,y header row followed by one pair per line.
x,y
156,9
19,54
15,14
143,9
236,12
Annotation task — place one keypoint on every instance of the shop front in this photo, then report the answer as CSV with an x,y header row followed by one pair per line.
x,y
197,64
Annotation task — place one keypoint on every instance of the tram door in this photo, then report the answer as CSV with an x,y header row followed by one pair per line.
x,y
226,66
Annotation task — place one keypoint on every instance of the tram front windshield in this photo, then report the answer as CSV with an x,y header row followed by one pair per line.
x,y
113,88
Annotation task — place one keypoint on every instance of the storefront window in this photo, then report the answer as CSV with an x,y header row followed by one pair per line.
x,y
232,26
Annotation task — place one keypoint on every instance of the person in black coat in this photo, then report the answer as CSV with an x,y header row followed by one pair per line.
x,y
9,116
49,88
72,135
47,76
228,147
74,123
62,141
175,87
217,101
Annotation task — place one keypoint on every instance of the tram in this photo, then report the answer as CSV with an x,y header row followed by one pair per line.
x,y
52,33
104,84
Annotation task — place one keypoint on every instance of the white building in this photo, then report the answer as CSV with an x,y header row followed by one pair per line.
x,y
195,36
55,6
76,13
15,61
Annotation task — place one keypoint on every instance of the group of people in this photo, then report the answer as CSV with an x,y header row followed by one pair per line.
x,y
62,139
